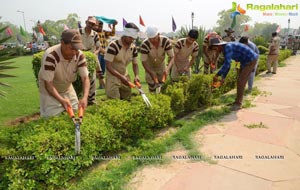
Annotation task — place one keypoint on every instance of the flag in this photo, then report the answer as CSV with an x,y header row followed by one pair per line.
x,y
233,22
173,24
278,29
22,31
124,23
66,27
106,20
79,25
42,30
9,31
246,28
141,21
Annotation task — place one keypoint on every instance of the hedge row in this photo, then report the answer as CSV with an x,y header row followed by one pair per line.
x,y
40,154
107,128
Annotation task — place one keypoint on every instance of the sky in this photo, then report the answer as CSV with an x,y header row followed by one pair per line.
x,y
153,12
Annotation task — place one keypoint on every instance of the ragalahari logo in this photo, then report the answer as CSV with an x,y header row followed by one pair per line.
x,y
236,10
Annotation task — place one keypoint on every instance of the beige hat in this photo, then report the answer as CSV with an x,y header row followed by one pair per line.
x,y
92,19
72,36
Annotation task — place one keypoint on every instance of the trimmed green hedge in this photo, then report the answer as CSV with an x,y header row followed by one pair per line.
x,y
105,129
189,95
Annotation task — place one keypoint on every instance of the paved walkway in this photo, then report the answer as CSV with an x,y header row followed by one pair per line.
x,y
266,158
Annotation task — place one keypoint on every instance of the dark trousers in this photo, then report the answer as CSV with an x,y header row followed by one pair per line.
x,y
242,79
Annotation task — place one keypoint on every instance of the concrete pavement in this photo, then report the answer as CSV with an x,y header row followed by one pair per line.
x,y
257,148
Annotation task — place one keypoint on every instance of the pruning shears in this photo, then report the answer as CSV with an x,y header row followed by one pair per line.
x,y
138,86
159,85
77,122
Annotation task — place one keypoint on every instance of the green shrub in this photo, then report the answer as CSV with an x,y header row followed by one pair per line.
x,y
262,62
260,41
262,50
177,92
105,129
284,54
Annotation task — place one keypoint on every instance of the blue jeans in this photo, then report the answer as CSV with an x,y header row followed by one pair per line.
x,y
251,77
102,62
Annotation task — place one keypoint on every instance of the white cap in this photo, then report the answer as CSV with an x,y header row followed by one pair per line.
x,y
131,32
151,31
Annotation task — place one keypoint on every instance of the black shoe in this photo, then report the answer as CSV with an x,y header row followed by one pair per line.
x,y
230,104
273,72
268,72
235,107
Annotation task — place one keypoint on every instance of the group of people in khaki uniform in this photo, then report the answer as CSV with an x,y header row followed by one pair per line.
x,y
118,55
158,56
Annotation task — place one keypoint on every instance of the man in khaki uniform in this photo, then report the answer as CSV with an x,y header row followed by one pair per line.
x,y
210,54
184,48
153,54
59,68
229,37
118,55
90,40
273,55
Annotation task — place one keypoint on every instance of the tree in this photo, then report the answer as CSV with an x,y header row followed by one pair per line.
x,y
54,29
264,29
15,30
4,64
225,21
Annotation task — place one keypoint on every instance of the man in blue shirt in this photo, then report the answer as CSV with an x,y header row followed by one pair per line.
x,y
240,53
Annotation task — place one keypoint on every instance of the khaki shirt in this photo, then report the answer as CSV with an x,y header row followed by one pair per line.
x,y
274,46
155,57
183,52
120,57
90,41
210,54
62,73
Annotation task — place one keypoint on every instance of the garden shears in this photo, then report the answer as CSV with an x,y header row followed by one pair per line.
x,y
77,122
159,85
138,86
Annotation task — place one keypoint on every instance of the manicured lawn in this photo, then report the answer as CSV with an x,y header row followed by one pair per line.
x,y
22,98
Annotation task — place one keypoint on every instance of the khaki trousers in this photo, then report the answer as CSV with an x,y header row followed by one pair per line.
x,y
272,61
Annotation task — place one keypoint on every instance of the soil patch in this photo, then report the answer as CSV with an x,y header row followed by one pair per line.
x,y
24,119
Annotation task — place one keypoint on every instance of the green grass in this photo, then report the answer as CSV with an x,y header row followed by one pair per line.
x,y
117,173
22,98
252,126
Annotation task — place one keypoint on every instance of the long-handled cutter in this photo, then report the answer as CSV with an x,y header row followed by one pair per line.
x,y
77,122
138,86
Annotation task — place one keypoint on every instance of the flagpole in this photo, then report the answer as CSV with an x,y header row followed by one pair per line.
x,y
193,15
23,18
